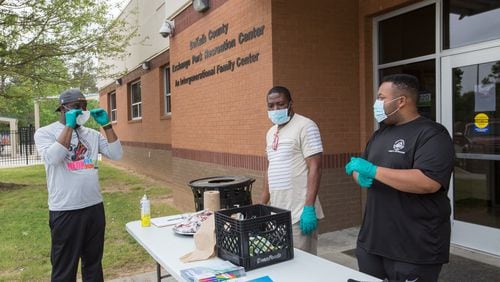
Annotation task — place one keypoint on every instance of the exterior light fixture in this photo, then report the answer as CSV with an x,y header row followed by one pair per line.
x,y
201,5
118,81
146,65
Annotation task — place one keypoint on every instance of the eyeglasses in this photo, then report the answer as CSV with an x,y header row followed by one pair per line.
x,y
276,141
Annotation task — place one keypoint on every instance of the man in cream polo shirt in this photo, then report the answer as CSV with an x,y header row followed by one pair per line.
x,y
292,182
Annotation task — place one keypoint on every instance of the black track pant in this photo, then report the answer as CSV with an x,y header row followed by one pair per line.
x,y
393,270
77,234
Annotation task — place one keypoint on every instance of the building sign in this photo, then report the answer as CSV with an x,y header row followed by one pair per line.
x,y
228,43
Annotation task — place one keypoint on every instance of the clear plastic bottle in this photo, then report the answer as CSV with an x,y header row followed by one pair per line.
x,y
145,212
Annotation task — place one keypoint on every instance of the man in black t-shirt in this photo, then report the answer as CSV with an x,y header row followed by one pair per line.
x,y
405,235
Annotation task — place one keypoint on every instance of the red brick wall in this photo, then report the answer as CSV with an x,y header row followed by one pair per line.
x,y
219,122
316,55
151,128
156,163
147,142
321,51
154,127
315,51
225,112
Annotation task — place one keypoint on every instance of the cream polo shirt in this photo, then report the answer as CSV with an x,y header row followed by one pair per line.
x,y
287,171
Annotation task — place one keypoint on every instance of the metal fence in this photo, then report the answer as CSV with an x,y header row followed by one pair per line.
x,y
18,147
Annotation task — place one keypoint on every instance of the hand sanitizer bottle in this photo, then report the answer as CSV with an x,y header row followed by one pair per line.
x,y
145,212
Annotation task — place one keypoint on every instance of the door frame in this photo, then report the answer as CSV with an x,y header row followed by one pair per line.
x,y
464,233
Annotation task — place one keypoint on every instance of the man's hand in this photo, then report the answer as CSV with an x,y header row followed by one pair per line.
x,y
71,117
362,166
100,116
308,220
364,181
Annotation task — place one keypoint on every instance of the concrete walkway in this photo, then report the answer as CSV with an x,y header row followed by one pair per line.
x,y
333,245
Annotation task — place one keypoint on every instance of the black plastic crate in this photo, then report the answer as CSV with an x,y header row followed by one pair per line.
x,y
233,190
262,238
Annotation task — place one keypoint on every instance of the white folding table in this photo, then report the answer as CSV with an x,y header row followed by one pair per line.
x,y
166,247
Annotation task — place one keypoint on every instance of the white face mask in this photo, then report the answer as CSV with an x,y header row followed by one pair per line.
x,y
379,112
83,118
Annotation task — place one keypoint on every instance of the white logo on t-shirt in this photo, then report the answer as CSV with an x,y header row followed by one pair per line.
x,y
398,146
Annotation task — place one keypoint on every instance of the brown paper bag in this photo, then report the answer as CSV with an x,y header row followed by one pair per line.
x,y
204,241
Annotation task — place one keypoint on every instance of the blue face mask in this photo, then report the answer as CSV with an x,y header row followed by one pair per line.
x,y
379,112
278,116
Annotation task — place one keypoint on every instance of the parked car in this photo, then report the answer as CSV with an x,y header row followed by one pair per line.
x,y
474,140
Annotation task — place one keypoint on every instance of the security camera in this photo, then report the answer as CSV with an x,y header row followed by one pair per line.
x,y
167,29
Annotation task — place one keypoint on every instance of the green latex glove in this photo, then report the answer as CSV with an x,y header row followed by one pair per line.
x,y
71,117
308,220
362,166
100,116
364,181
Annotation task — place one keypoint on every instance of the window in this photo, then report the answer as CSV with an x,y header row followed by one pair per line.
x,y
167,102
425,71
471,21
135,100
112,105
408,35
407,44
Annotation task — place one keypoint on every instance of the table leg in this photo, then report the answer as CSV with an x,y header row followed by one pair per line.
x,y
158,273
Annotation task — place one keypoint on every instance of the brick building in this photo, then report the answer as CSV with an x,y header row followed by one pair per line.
x,y
193,105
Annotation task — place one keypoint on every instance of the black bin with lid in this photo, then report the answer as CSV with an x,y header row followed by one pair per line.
x,y
234,191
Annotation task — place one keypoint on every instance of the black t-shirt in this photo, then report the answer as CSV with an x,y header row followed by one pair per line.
x,y
413,228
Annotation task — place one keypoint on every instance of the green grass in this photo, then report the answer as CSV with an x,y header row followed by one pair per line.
x,y
25,233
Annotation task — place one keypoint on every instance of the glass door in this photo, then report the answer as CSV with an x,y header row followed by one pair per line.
x,y
471,112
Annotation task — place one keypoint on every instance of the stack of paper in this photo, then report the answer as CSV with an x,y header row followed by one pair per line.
x,y
169,220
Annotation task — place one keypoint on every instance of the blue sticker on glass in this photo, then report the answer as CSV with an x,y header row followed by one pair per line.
x,y
482,130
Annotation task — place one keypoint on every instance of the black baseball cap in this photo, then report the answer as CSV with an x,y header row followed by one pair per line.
x,y
69,96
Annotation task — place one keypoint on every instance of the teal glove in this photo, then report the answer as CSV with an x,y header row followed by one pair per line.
x,y
362,166
100,116
71,117
363,181
308,220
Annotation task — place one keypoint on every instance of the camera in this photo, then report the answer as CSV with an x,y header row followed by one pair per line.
x,y
167,29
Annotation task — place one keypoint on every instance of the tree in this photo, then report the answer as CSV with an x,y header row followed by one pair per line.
x,y
84,74
47,46
41,39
